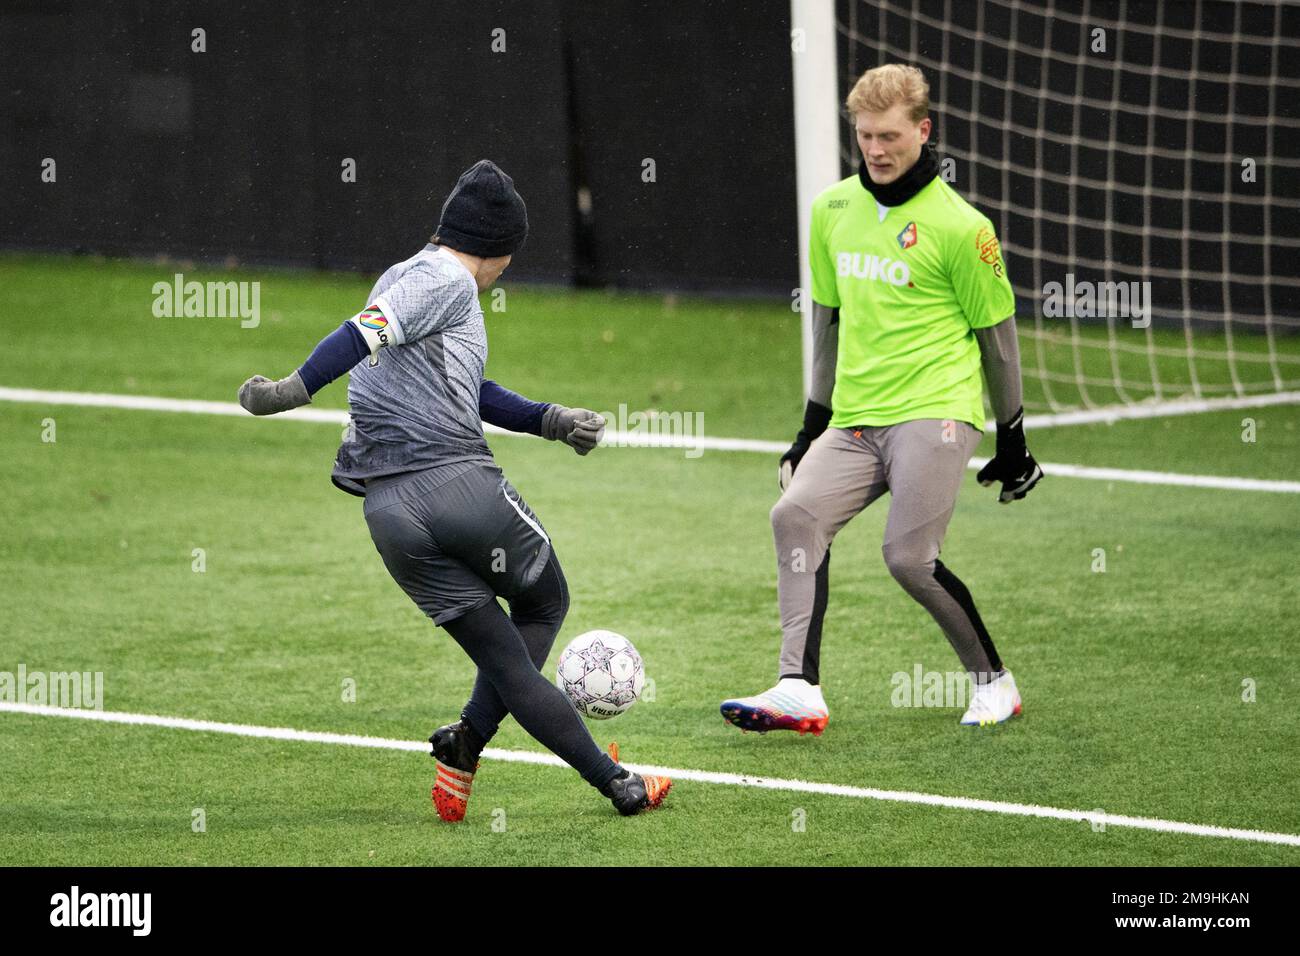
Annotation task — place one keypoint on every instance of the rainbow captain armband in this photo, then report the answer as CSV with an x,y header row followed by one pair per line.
x,y
376,329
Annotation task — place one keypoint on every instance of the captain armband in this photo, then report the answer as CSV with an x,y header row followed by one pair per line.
x,y
376,329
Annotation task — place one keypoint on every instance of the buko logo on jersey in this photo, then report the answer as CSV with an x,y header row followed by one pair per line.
x,y
861,265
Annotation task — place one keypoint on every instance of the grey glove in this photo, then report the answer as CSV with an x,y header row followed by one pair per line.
x,y
261,396
579,428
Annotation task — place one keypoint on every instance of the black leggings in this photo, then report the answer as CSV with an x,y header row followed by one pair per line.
x,y
510,652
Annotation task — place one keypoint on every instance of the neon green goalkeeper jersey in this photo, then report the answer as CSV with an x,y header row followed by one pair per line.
x,y
910,290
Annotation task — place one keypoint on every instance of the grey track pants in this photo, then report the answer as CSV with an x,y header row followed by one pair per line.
x,y
922,464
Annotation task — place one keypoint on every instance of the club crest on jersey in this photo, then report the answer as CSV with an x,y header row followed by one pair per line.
x,y
907,238
862,265
990,249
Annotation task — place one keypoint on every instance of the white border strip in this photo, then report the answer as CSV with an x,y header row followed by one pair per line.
x,y
643,440
699,776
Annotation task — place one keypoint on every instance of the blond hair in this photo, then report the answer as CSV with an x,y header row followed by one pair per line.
x,y
879,89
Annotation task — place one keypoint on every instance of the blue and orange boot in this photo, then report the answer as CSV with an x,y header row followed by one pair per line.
x,y
456,749
793,704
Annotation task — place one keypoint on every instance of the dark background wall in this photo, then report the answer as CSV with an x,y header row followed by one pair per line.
x,y
238,150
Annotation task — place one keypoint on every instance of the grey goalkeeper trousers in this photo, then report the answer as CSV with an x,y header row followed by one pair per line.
x,y
921,464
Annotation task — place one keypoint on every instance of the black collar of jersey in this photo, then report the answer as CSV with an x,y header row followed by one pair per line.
x,y
905,186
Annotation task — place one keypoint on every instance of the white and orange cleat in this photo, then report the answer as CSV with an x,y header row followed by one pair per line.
x,y
993,703
793,704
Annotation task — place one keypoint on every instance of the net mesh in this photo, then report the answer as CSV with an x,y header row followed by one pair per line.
x,y
1120,142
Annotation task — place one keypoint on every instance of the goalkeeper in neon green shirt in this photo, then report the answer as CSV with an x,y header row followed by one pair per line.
x,y
911,302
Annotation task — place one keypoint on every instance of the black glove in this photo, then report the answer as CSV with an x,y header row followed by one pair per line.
x,y
1012,464
816,418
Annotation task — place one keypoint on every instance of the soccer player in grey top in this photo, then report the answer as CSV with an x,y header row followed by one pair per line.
x,y
452,531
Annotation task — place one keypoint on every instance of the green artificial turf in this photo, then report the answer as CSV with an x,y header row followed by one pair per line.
x,y
1133,678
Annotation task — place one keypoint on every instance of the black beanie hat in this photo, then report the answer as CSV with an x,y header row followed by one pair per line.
x,y
483,216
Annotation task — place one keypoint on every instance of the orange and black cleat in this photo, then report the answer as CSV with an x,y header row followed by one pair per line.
x,y
457,763
632,792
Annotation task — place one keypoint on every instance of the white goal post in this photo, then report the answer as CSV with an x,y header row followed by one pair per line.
x,y
816,133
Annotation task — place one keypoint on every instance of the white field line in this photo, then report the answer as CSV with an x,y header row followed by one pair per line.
x,y
645,440
1191,406
698,776
1162,478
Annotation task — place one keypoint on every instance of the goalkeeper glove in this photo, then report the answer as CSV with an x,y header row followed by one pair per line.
x,y
816,418
261,396
579,428
1011,464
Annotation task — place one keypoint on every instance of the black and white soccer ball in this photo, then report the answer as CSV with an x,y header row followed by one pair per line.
x,y
602,674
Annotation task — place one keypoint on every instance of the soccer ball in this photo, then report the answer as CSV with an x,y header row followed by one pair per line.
x,y
601,673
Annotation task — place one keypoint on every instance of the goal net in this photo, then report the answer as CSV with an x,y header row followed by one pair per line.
x,y
1150,149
